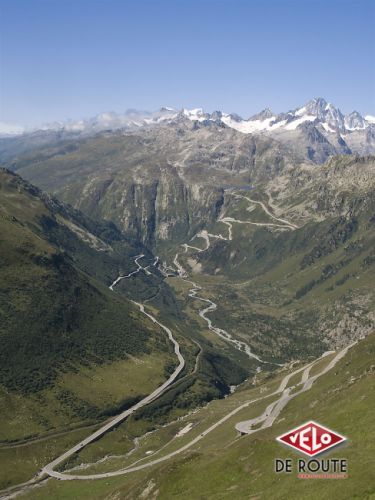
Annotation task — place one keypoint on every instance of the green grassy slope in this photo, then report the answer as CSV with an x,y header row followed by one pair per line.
x,y
288,294
343,400
61,327
282,291
224,465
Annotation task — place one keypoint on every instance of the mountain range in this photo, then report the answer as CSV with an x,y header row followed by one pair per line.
x,y
317,111
312,132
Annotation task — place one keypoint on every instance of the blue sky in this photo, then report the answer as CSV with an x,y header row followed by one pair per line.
x,y
75,58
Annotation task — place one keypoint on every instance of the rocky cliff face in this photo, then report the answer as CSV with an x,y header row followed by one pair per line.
x,y
155,208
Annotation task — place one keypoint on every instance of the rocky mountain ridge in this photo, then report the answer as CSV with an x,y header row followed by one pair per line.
x,y
311,133
317,110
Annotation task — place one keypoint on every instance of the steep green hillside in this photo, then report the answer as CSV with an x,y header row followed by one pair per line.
x,y
61,327
306,286
249,278
343,400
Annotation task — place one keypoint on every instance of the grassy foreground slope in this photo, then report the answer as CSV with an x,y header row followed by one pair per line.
x,y
224,465
343,400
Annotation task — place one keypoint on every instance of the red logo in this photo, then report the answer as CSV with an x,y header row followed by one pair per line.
x,y
311,438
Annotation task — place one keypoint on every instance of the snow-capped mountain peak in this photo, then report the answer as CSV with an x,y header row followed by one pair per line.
x,y
196,114
324,112
318,112
317,107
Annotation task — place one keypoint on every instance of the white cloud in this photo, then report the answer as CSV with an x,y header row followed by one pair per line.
x,y
9,129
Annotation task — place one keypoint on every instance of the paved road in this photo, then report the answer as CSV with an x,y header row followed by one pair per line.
x,y
180,270
137,439
49,468
270,214
212,306
268,416
273,408
266,224
139,268
272,412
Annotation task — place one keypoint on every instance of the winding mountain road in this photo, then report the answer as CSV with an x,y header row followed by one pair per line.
x,y
268,417
49,468
193,292
139,268
266,210
273,410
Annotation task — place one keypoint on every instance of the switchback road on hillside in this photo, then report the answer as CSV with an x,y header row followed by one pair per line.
x,y
266,210
282,224
268,417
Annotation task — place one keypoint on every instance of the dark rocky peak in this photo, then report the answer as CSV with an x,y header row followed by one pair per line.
x,y
263,115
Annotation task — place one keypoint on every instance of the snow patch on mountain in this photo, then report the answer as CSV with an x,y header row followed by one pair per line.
x,y
327,128
196,114
296,122
317,110
247,126
300,111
